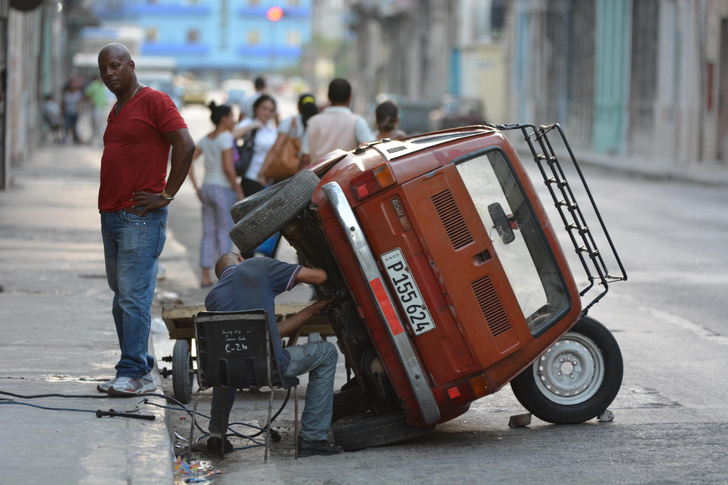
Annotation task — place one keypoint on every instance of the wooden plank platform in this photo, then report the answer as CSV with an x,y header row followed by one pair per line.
x,y
180,321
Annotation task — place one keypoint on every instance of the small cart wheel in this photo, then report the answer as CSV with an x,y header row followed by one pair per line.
x,y
182,371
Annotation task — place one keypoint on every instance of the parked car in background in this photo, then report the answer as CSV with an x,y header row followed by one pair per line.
x,y
450,280
196,92
457,111
162,81
236,90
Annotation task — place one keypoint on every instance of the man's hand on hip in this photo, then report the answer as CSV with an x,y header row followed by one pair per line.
x,y
144,201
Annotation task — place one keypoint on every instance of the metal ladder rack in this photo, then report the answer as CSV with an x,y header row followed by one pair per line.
x,y
570,211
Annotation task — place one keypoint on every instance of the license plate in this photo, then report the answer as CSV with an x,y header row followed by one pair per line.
x,y
407,292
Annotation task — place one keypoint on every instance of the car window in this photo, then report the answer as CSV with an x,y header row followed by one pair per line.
x,y
517,238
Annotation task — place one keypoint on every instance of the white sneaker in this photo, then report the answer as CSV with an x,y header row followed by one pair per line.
x,y
131,386
104,386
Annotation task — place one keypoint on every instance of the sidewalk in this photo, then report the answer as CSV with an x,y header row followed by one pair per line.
x,y
57,336
707,173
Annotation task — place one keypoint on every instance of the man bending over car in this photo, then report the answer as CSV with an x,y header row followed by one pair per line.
x,y
251,284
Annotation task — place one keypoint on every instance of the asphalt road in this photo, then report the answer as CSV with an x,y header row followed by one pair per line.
x,y
670,319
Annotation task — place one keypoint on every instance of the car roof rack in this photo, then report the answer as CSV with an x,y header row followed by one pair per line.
x,y
583,238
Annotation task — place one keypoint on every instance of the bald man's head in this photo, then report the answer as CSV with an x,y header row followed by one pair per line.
x,y
226,260
116,49
116,69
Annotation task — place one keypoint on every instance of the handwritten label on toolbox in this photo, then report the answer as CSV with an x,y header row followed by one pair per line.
x,y
407,291
234,341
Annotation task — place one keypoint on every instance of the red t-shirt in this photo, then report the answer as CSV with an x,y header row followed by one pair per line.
x,y
135,150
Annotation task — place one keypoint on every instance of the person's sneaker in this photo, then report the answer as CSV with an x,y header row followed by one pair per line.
x,y
311,448
214,443
131,386
104,386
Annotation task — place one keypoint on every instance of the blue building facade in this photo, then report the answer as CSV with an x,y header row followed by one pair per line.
x,y
231,37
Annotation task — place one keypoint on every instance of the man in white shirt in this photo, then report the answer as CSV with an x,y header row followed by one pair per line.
x,y
335,127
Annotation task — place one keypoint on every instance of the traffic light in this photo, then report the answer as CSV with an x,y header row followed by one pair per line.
x,y
274,14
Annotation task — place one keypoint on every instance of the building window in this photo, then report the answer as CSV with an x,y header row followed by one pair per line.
x,y
253,37
193,36
498,15
293,38
152,34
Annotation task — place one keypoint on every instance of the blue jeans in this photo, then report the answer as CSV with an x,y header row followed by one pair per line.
x,y
132,246
318,359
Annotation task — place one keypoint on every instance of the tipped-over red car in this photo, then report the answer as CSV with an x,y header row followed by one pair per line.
x,y
450,279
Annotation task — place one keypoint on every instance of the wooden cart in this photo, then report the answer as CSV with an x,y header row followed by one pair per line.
x,y
180,325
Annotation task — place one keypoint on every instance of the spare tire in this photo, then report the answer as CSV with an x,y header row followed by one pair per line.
x,y
245,206
274,210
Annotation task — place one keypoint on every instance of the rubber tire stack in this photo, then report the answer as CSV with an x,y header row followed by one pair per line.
x,y
265,213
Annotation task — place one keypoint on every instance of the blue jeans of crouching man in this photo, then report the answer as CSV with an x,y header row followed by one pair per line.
x,y
132,245
318,359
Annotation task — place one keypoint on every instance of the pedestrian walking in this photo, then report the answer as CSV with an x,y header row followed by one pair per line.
x,y
335,127
96,93
263,139
246,107
71,107
133,200
53,118
387,120
291,130
250,284
219,189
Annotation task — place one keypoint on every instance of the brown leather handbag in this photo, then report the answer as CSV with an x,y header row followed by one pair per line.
x,y
286,160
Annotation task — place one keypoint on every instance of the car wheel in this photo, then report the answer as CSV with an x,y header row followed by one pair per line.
x,y
274,212
363,430
576,379
182,371
245,206
348,402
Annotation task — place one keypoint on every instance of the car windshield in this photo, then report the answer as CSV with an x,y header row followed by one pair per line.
x,y
517,238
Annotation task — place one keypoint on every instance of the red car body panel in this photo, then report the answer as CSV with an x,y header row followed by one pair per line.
x,y
481,338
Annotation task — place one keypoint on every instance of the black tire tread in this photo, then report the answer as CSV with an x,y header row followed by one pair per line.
x,y
348,402
243,207
181,377
363,430
270,216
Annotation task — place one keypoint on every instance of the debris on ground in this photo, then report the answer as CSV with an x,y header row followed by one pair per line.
x,y
195,472
519,420
606,417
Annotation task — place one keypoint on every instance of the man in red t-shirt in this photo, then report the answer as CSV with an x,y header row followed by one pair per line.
x,y
133,200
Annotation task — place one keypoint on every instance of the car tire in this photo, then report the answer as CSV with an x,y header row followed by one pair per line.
x,y
274,210
182,371
576,379
363,430
243,207
348,402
